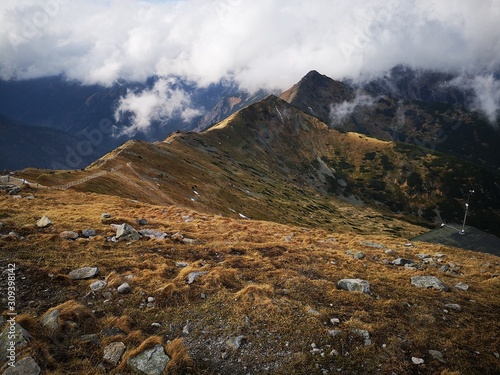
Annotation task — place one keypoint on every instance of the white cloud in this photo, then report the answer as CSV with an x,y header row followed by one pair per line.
x,y
486,94
162,102
267,44
339,112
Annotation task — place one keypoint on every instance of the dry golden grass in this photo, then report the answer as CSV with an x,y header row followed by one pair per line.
x,y
278,293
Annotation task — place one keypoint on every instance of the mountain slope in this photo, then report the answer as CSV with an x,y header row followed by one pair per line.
x,y
22,145
406,107
272,161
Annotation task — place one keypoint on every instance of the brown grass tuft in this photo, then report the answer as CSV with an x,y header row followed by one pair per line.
x,y
255,293
180,360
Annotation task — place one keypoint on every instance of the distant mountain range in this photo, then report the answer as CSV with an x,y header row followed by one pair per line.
x,y
416,107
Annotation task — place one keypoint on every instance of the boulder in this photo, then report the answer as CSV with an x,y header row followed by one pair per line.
x,y
98,285
124,288
87,233
153,234
21,339
68,235
14,191
402,262
126,231
428,282
49,320
113,353
354,285
84,273
150,362
44,222
25,366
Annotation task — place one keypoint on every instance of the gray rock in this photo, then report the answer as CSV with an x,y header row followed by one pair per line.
x,y
87,233
181,264
124,288
462,286
112,331
437,355
44,222
49,321
68,235
417,361
150,362
428,282
141,221
356,255
92,339
151,299
14,191
453,306
25,366
192,276
113,353
234,343
189,241
389,252
423,256
126,231
373,244
98,285
177,237
106,216
22,337
84,273
153,234
402,262
354,285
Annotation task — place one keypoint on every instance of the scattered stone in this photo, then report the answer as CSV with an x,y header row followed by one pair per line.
x,y
106,216
402,262
25,366
189,241
453,306
192,276
181,264
203,296
124,288
141,221
44,222
98,285
83,273
88,233
155,325
234,343
30,197
373,244
68,235
437,355
150,362
151,299
126,231
389,252
335,321
14,191
92,339
356,255
354,285
409,244
113,353
288,239
428,282
112,331
50,320
153,234
313,312
417,361
22,337
462,286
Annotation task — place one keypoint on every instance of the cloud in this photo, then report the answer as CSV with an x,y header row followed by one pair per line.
x,y
162,102
259,44
486,94
339,112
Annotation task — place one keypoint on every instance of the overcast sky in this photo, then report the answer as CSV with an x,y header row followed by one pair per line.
x,y
258,43
266,44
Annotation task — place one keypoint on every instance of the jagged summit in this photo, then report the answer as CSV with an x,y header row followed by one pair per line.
x,y
315,93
